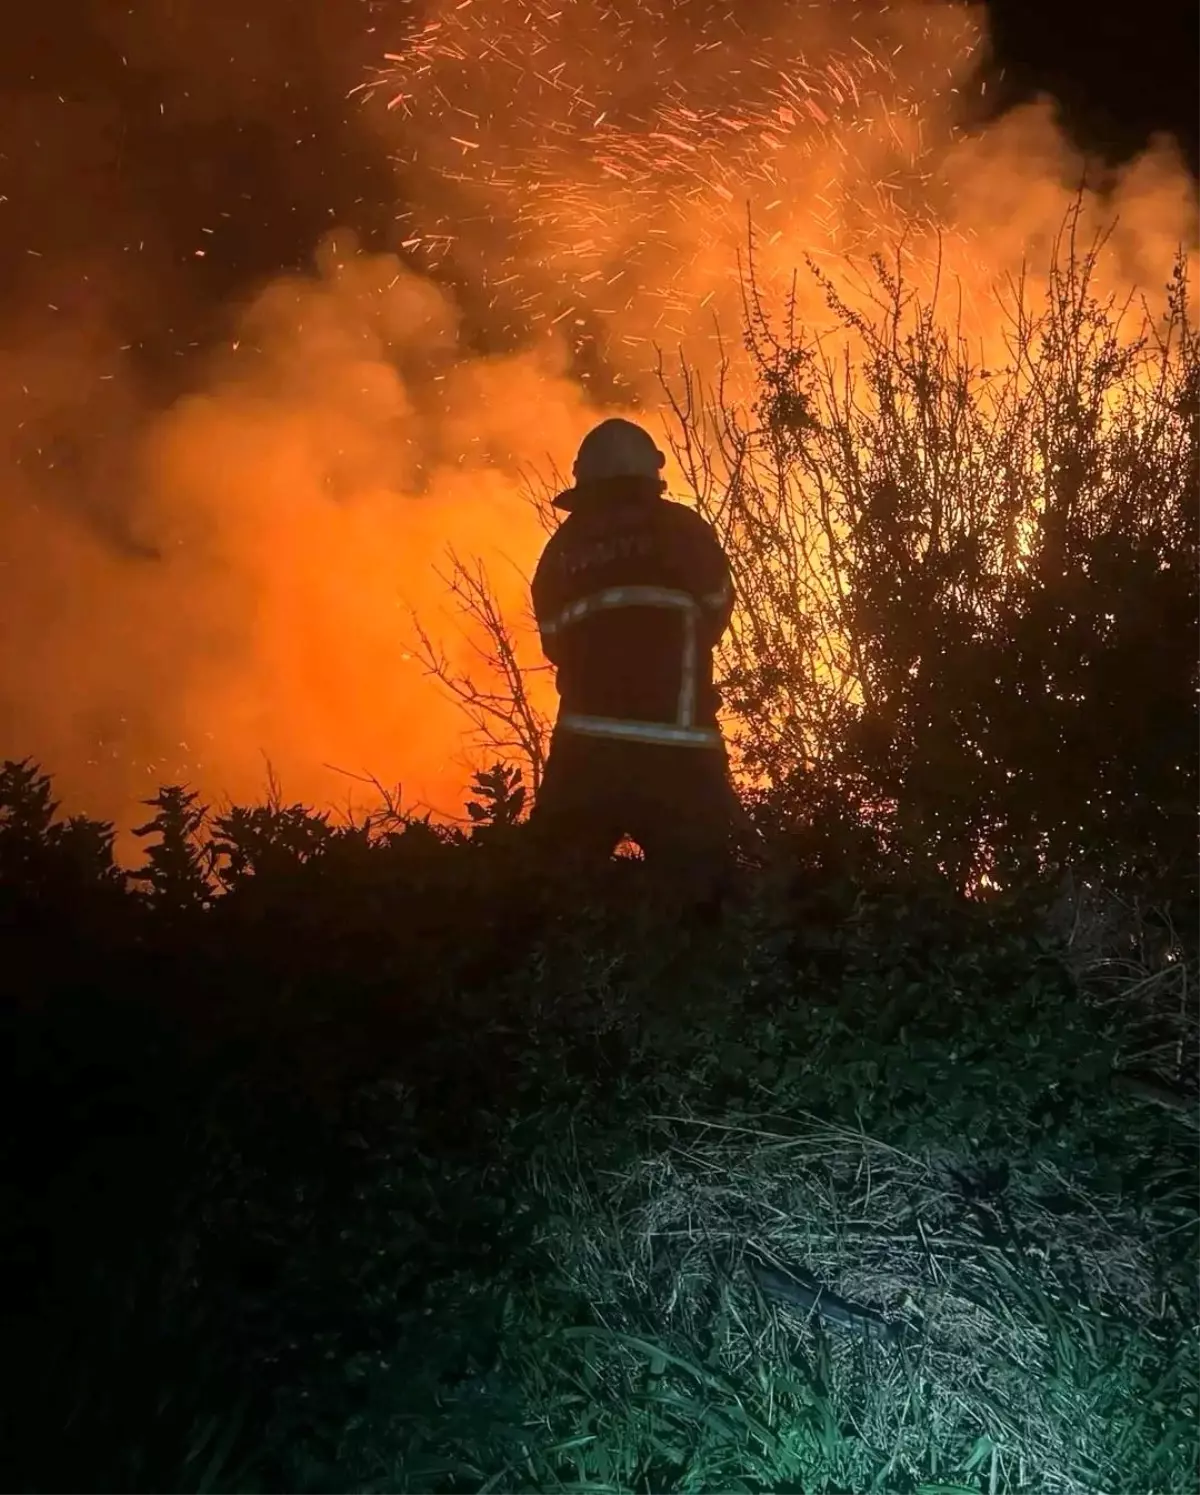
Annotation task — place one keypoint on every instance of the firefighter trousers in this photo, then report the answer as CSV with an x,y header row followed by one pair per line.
x,y
677,803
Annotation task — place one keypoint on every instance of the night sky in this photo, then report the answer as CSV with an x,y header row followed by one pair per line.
x,y
1120,73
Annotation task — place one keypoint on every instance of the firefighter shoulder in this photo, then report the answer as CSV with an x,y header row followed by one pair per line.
x,y
631,595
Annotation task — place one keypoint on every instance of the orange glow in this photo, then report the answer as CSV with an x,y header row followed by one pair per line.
x,y
347,434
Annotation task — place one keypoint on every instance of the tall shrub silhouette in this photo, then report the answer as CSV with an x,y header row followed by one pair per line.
x,y
967,595
264,841
63,864
177,868
498,798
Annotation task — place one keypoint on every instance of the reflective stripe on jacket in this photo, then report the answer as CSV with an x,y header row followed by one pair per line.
x,y
683,731
630,601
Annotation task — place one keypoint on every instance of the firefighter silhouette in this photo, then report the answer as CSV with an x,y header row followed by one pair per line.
x,y
632,594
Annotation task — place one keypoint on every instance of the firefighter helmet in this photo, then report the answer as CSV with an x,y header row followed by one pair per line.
x,y
614,449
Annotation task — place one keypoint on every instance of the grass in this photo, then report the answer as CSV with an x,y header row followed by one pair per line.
x,y
497,1240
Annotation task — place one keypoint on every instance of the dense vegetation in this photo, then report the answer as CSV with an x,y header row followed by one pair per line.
x,y
377,1156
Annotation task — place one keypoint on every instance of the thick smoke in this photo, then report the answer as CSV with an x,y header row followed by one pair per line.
x,y
208,568
241,593
226,484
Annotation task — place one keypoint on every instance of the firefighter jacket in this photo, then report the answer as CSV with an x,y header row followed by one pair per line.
x,y
631,595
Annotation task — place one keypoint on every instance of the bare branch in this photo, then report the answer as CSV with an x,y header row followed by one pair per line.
x,y
502,713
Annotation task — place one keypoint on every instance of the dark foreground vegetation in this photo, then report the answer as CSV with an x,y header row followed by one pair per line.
x,y
378,1157
399,1165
